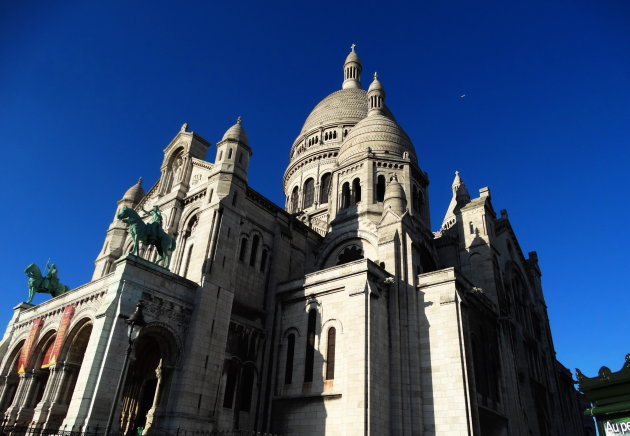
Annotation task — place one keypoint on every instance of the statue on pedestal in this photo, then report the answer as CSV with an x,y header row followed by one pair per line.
x,y
47,284
150,234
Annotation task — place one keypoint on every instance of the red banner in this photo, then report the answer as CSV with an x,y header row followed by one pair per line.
x,y
47,360
53,352
27,348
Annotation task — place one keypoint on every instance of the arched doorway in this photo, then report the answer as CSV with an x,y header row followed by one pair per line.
x,y
10,378
148,379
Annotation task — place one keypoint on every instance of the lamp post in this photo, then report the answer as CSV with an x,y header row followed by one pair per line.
x,y
135,323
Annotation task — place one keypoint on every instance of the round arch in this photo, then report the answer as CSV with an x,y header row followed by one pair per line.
x,y
147,384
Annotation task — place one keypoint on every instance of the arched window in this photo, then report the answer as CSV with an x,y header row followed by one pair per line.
x,y
263,259
294,200
241,255
356,190
309,193
288,369
220,155
380,188
310,346
324,187
254,251
345,195
330,354
230,153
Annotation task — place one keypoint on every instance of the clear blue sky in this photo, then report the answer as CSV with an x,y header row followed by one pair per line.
x,y
92,92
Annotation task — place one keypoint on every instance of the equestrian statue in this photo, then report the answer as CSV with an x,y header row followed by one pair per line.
x,y
149,234
48,284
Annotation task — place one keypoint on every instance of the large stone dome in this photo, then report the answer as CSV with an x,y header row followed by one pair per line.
x,y
346,106
381,134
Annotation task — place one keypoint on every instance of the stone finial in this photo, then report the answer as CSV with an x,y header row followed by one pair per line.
x,y
239,119
139,181
184,127
352,46
375,75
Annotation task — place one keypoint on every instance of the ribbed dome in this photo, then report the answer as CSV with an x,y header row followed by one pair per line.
x,y
379,133
237,133
135,193
344,106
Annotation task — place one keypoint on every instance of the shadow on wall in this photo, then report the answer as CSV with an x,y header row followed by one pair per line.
x,y
306,377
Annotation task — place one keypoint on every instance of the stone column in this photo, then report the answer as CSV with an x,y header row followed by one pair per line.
x,y
8,390
54,379
19,398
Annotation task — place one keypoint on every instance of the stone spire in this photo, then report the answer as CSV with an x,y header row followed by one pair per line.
x,y
352,70
376,97
460,198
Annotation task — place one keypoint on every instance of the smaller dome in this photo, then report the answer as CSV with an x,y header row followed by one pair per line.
x,y
135,193
378,134
236,133
395,198
352,56
376,85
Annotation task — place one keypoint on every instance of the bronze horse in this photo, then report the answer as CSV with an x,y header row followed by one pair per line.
x,y
150,234
47,285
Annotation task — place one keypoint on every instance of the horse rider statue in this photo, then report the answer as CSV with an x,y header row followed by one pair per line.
x,y
155,222
48,283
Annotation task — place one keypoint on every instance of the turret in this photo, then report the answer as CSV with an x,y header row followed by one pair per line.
x,y
395,198
233,152
352,70
113,247
376,97
460,198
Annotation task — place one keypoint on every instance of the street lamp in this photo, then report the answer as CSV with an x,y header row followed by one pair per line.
x,y
135,323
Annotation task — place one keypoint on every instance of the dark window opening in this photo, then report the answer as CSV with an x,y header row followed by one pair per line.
x,y
330,354
356,190
294,200
254,252
241,255
324,188
414,199
309,193
310,346
380,188
350,254
246,387
345,195
288,370
230,384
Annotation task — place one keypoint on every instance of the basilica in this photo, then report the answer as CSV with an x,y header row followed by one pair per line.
x,y
344,312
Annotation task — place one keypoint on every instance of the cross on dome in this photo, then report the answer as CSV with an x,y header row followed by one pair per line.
x,y
352,47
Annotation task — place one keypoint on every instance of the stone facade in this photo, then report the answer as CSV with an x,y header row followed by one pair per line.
x,y
341,314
